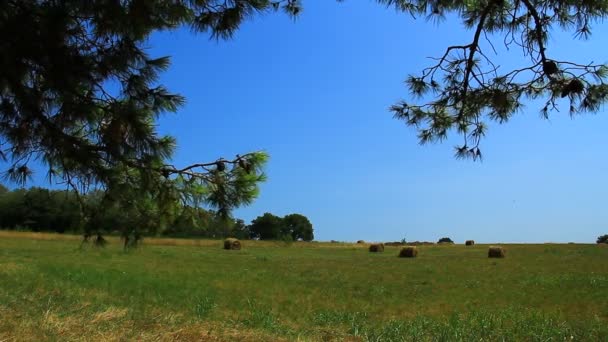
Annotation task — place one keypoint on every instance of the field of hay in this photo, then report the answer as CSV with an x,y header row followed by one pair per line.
x,y
193,290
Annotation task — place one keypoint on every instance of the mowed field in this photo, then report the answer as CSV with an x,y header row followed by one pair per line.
x,y
192,290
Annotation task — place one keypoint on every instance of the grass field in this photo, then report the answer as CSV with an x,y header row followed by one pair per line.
x,y
170,289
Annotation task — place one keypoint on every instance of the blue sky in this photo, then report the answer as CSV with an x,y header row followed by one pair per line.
x,y
314,94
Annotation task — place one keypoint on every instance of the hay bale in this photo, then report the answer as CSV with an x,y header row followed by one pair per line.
x,y
496,252
360,241
232,243
376,247
469,243
408,252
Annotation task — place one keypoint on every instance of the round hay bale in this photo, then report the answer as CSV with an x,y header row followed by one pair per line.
x,y
360,241
376,247
232,243
469,243
408,252
496,252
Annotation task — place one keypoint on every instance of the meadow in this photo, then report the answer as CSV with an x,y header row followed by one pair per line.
x,y
52,288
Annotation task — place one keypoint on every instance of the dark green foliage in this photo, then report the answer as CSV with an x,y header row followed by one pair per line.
x,y
602,239
79,92
240,230
266,227
43,210
292,227
550,67
445,240
298,227
466,88
40,209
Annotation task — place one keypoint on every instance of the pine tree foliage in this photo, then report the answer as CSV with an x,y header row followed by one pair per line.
x,y
79,92
468,90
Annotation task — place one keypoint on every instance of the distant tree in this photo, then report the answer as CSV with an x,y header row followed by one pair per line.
x,y
66,215
39,209
190,222
602,239
445,240
266,227
240,230
13,211
132,218
298,227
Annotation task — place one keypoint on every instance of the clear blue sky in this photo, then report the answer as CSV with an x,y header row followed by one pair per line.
x,y
314,94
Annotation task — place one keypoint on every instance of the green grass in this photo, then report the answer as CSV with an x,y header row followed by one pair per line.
x,y
53,290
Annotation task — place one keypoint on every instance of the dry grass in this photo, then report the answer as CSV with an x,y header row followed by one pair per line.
x,y
161,241
111,313
114,325
37,236
10,267
315,291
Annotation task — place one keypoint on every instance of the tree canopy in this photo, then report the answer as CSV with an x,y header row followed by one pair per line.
x,y
445,240
468,89
298,227
293,227
79,92
44,210
266,227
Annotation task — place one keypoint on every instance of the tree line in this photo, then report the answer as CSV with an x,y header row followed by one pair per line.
x,y
60,211
80,92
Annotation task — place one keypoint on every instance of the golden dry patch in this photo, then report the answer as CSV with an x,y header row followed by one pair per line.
x,y
181,242
10,267
111,313
84,328
62,325
158,241
37,236
202,332
330,334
